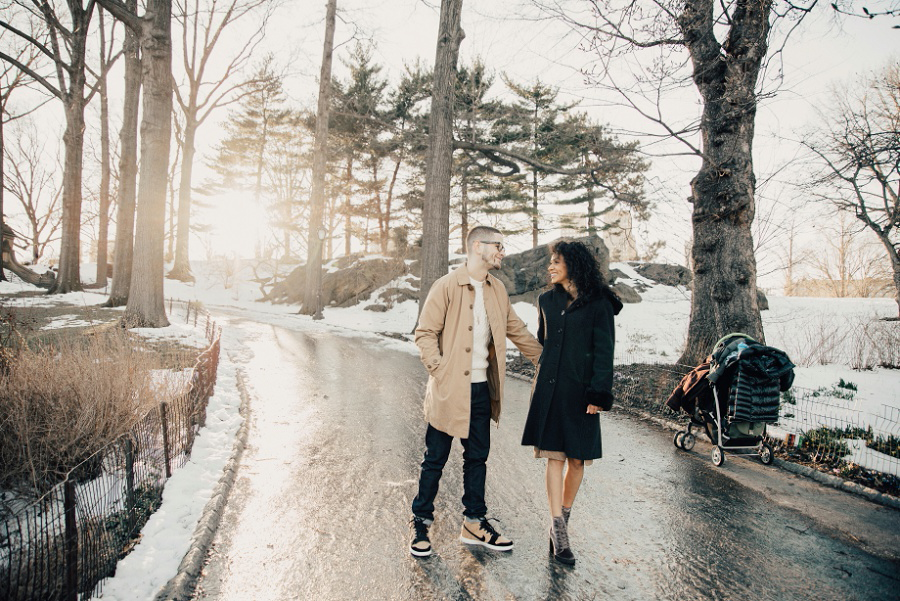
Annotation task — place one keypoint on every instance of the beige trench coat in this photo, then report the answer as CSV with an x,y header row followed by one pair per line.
x,y
444,338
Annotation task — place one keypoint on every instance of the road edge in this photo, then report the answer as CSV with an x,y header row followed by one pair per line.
x,y
801,470
181,586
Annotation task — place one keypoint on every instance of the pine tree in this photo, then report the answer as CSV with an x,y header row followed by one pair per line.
x,y
533,127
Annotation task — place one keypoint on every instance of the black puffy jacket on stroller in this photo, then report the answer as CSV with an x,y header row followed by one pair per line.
x,y
733,395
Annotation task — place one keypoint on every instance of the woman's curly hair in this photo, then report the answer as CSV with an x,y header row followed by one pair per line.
x,y
582,267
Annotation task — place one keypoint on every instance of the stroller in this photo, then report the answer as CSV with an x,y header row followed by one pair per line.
x,y
732,396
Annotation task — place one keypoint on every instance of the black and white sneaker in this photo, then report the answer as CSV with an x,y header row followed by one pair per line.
x,y
482,533
421,544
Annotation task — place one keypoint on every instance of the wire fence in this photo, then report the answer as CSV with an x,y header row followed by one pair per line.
x,y
63,545
825,425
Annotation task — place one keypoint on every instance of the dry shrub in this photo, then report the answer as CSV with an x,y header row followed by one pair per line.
x,y
60,404
860,342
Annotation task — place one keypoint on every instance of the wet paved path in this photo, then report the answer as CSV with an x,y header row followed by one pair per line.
x,y
321,507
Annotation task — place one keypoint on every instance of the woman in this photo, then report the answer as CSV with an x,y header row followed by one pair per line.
x,y
574,379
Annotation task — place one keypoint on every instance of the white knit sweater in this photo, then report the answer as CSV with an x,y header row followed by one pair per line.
x,y
481,334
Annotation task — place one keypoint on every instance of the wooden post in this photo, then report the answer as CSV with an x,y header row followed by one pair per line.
x,y
70,589
129,484
165,432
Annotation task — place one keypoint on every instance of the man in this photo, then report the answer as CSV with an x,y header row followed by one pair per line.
x,y
462,342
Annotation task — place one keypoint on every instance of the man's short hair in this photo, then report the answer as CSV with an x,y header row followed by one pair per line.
x,y
479,233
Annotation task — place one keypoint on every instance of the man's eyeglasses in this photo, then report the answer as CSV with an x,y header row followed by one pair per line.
x,y
499,245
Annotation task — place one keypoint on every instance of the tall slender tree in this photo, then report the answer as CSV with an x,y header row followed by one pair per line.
x,y
108,56
62,37
11,78
311,297
146,306
439,156
205,25
127,197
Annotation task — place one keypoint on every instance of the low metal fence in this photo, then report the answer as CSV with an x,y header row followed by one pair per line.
x,y
827,425
63,545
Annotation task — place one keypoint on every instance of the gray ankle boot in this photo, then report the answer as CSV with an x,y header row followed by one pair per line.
x,y
559,542
567,511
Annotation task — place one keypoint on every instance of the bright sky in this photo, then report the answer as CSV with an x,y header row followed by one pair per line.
x,y
511,41
507,37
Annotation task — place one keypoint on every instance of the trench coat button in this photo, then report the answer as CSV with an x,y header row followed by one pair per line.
x,y
552,381
471,306
470,328
471,287
468,350
467,373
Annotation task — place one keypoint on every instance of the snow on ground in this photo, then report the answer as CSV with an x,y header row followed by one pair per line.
x,y
823,336
167,535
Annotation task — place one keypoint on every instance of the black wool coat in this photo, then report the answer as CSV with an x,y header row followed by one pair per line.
x,y
575,370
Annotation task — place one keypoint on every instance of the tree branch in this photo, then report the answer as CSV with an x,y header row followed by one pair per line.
x,y
33,75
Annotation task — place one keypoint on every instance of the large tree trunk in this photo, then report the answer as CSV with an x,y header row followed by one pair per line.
x,y
895,266
723,191
124,245
146,304
2,219
68,278
348,207
439,156
103,226
311,298
534,209
181,270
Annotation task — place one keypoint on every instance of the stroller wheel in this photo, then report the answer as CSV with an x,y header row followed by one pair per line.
x,y
718,456
688,441
678,439
765,454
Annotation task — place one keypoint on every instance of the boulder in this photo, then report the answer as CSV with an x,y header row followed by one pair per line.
x,y
668,275
626,293
353,280
526,272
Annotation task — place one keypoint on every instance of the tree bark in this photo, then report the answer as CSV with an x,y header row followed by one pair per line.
x,y
311,298
723,191
439,155
68,278
124,244
146,304
181,270
2,188
103,226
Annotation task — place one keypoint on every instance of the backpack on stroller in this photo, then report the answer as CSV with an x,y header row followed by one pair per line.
x,y
733,395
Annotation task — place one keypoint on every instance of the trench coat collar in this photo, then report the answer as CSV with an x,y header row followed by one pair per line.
x,y
463,278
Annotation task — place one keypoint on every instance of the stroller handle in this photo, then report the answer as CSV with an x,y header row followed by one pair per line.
x,y
733,335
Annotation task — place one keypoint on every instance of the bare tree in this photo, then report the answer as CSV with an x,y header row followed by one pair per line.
x,y
11,78
31,179
439,155
729,46
857,150
146,306
107,57
125,210
205,25
311,298
63,39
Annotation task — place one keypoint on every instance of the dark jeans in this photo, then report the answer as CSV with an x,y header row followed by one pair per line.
x,y
475,453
